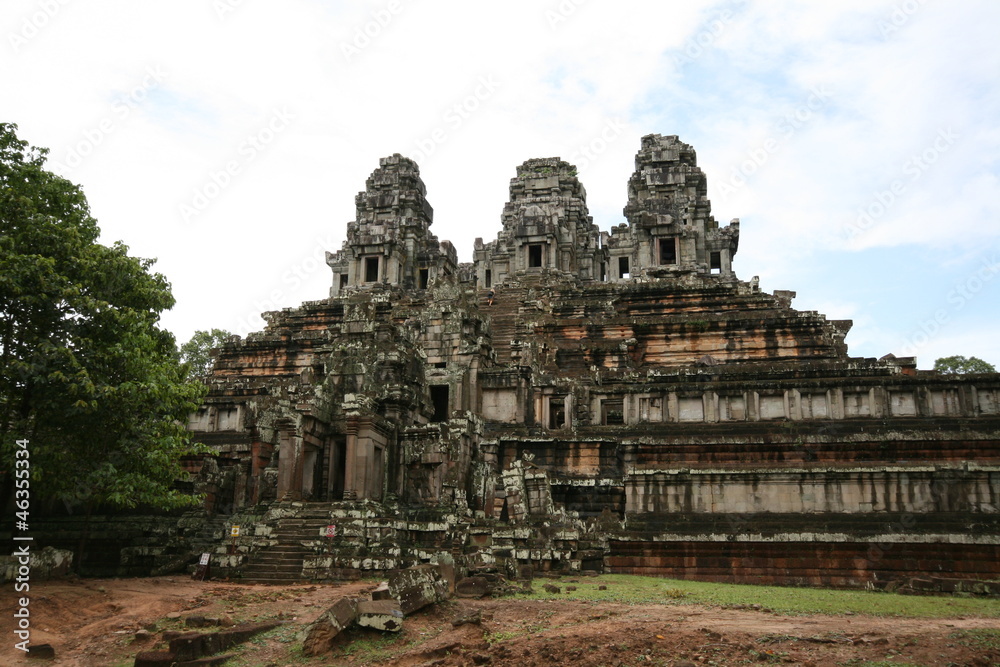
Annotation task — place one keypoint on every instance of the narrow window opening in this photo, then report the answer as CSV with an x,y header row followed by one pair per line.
x,y
439,398
715,262
371,269
424,276
613,412
534,256
668,251
557,412
623,267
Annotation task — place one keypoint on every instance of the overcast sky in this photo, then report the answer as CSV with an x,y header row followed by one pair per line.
x,y
857,141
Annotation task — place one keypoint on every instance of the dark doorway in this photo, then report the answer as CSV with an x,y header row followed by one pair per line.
x,y
439,398
337,466
623,267
423,278
371,269
534,256
557,412
668,251
715,262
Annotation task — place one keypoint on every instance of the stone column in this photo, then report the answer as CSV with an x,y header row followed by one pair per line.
x,y
350,456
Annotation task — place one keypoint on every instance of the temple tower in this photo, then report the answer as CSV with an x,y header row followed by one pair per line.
x,y
547,230
670,228
390,240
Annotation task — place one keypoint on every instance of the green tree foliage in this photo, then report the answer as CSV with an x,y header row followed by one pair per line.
x,y
197,352
959,364
86,373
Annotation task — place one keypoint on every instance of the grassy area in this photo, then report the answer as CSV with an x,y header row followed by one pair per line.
x,y
628,589
983,639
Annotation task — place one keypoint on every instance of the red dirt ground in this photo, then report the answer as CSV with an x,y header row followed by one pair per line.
x,y
93,622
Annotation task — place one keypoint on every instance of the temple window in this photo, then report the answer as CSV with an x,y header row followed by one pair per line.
x,y
557,412
439,398
715,262
612,411
668,251
371,269
534,255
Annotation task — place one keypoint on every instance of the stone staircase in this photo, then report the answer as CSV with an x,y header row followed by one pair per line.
x,y
295,538
504,319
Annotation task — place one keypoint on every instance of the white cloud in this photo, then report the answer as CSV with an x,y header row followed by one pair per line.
x,y
558,85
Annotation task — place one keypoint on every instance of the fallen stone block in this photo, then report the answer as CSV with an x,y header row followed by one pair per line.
x,y
382,592
187,646
212,661
155,659
318,637
549,588
194,645
472,587
447,570
417,587
198,622
242,633
380,615
41,652
472,616
46,563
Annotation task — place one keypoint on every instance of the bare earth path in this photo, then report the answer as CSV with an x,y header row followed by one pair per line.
x,y
94,622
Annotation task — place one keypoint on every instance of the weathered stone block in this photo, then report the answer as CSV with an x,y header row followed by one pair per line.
x,y
318,637
41,652
211,661
382,592
472,587
194,645
417,587
155,659
46,563
187,646
380,615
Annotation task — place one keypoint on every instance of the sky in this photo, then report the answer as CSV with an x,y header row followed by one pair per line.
x,y
858,142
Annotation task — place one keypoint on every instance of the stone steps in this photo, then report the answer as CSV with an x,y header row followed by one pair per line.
x,y
504,321
282,562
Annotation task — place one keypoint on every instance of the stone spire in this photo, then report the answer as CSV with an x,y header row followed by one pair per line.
x,y
390,241
547,229
670,226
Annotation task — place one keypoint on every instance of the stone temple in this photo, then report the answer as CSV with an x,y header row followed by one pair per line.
x,y
626,404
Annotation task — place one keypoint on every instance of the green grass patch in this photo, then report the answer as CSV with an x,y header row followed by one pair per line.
x,y
985,639
628,589
368,648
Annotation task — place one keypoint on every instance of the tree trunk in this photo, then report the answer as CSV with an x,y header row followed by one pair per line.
x,y
81,549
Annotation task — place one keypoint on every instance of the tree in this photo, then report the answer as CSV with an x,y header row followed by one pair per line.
x,y
960,365
197,352
87,376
